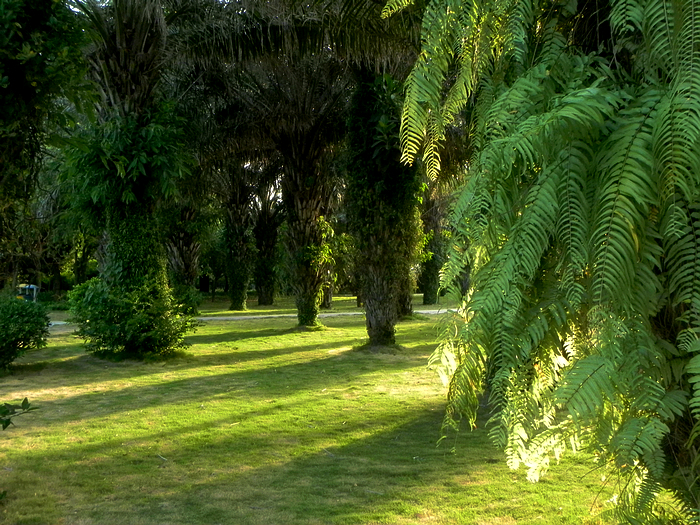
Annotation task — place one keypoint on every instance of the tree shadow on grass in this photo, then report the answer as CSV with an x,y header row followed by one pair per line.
x,y
235,335
85,369
270,380
70,366
384,468
73,358
330,479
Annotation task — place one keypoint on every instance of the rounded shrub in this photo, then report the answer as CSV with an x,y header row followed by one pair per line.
x,y
137,323
23,325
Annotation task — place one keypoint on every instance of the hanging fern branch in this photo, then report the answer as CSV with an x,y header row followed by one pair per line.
x,y
580,226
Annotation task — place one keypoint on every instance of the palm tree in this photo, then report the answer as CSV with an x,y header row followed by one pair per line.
x,y
132,160
297,103
269,216
382,198
296,90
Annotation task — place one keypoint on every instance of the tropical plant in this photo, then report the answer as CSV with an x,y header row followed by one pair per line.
x,y
297,102
290,61
128,165
235,184
269,216
139,322
579,222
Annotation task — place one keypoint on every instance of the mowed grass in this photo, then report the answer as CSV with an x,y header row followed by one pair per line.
x,y
261,424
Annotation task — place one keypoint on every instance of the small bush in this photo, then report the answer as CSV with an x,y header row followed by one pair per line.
x,y
23,325
119,324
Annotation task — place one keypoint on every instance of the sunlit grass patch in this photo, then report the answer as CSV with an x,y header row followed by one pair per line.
x,y
260,424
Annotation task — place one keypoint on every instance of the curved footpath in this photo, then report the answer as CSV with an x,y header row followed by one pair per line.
x,y
271,316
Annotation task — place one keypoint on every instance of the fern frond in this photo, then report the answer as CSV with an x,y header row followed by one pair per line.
x,y
682,249
624,194
639,439
520,19
572,224
586,386
626,16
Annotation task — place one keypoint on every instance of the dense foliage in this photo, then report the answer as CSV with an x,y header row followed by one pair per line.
x,y
126,168
135,323
579,221
24,325
41,69
40,60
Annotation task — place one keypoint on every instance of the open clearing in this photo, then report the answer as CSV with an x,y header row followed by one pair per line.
x,y
261,424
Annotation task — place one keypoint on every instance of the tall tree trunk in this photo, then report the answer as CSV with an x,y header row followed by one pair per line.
x,y
266,232
328,287
327,298
430,270
382,199
306,196
239,260
184,250
379,292
430,278
404,303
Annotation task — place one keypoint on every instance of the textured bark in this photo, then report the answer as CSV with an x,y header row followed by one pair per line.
x,y
238,281
266,295
306,194
404,304
382,197
233,183
379,290
184,251
307,306
327,298
305,101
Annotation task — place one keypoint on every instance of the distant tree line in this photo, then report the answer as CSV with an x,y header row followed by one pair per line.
x,y
163,148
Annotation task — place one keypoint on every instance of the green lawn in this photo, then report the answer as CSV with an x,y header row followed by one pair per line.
x,y
261,424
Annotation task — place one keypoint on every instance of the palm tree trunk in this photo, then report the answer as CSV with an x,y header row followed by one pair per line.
x,y
379,292
239,259
306,198
266,233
